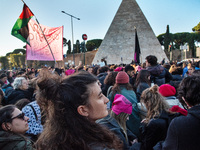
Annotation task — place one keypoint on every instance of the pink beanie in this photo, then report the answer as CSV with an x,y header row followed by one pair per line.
x,y
118,69
69,72
121,104
167,90
122,77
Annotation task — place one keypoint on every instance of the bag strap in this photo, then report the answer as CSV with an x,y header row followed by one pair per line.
x,y
109,90
34,112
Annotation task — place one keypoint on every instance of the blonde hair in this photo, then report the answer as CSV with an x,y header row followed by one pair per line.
x,y
154,102
121,120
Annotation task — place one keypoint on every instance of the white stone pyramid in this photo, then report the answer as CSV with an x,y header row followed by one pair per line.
x,y
118,45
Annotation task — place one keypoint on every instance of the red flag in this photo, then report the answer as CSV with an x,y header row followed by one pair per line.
x,y
20,29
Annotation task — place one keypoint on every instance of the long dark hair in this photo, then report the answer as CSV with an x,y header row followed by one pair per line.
x,y
6,114
142,77
65,128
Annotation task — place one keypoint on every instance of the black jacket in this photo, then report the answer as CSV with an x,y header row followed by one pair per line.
x,y
19,94
184,132
155,130
159,75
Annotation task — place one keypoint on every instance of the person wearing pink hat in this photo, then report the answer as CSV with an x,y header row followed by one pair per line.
x,y
116,121
123,87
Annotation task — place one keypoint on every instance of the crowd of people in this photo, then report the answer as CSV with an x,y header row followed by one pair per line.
x,y
109,107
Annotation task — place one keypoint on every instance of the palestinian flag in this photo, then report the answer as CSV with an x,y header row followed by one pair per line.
x,y
20,29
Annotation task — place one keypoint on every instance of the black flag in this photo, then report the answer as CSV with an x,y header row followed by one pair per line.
x,y
137,49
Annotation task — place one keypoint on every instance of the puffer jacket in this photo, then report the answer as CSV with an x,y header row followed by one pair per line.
x,y
10,141
158,74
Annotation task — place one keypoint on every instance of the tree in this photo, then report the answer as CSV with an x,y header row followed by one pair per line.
x,y
180,39
167,38
77,46
17,51
64,42
93,44
161,38
196,28
69,47
4,62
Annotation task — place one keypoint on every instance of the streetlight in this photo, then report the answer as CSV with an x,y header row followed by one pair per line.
x,y
72,30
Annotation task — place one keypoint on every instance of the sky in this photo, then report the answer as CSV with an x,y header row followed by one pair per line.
x,y
95,17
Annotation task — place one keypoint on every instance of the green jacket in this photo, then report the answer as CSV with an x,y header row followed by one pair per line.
x,y
10,141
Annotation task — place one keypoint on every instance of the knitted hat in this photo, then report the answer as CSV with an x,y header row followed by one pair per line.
x,y
121,104
118,69
69,72
167,90
122,77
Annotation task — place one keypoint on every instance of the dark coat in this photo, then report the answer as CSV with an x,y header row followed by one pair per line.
x,y
154,131
112,124
101,77
140,88
184,132
19,94
159,75
9,141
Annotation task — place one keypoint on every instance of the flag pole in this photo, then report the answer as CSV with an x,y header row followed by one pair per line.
x,y
44,36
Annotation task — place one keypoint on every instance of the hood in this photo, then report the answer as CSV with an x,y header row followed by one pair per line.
x,y
7,138
102,74
195,111
155,70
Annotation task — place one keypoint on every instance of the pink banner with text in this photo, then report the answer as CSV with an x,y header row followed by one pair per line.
x,y
39,49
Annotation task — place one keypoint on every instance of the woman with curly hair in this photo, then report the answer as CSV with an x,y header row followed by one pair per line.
x,y
72,106
154,127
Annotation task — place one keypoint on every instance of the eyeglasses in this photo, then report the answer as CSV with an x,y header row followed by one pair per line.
x,y
20,116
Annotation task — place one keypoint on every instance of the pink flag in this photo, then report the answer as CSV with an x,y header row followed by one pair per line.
x,y
39,49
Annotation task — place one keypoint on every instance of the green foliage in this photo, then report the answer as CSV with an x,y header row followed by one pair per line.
x,y
77,46
4,62
196,28
64,42
69,47
17,60
17,51
93,44
178,39
161,38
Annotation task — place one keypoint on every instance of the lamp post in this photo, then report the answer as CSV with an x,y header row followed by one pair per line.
x,y
72,31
